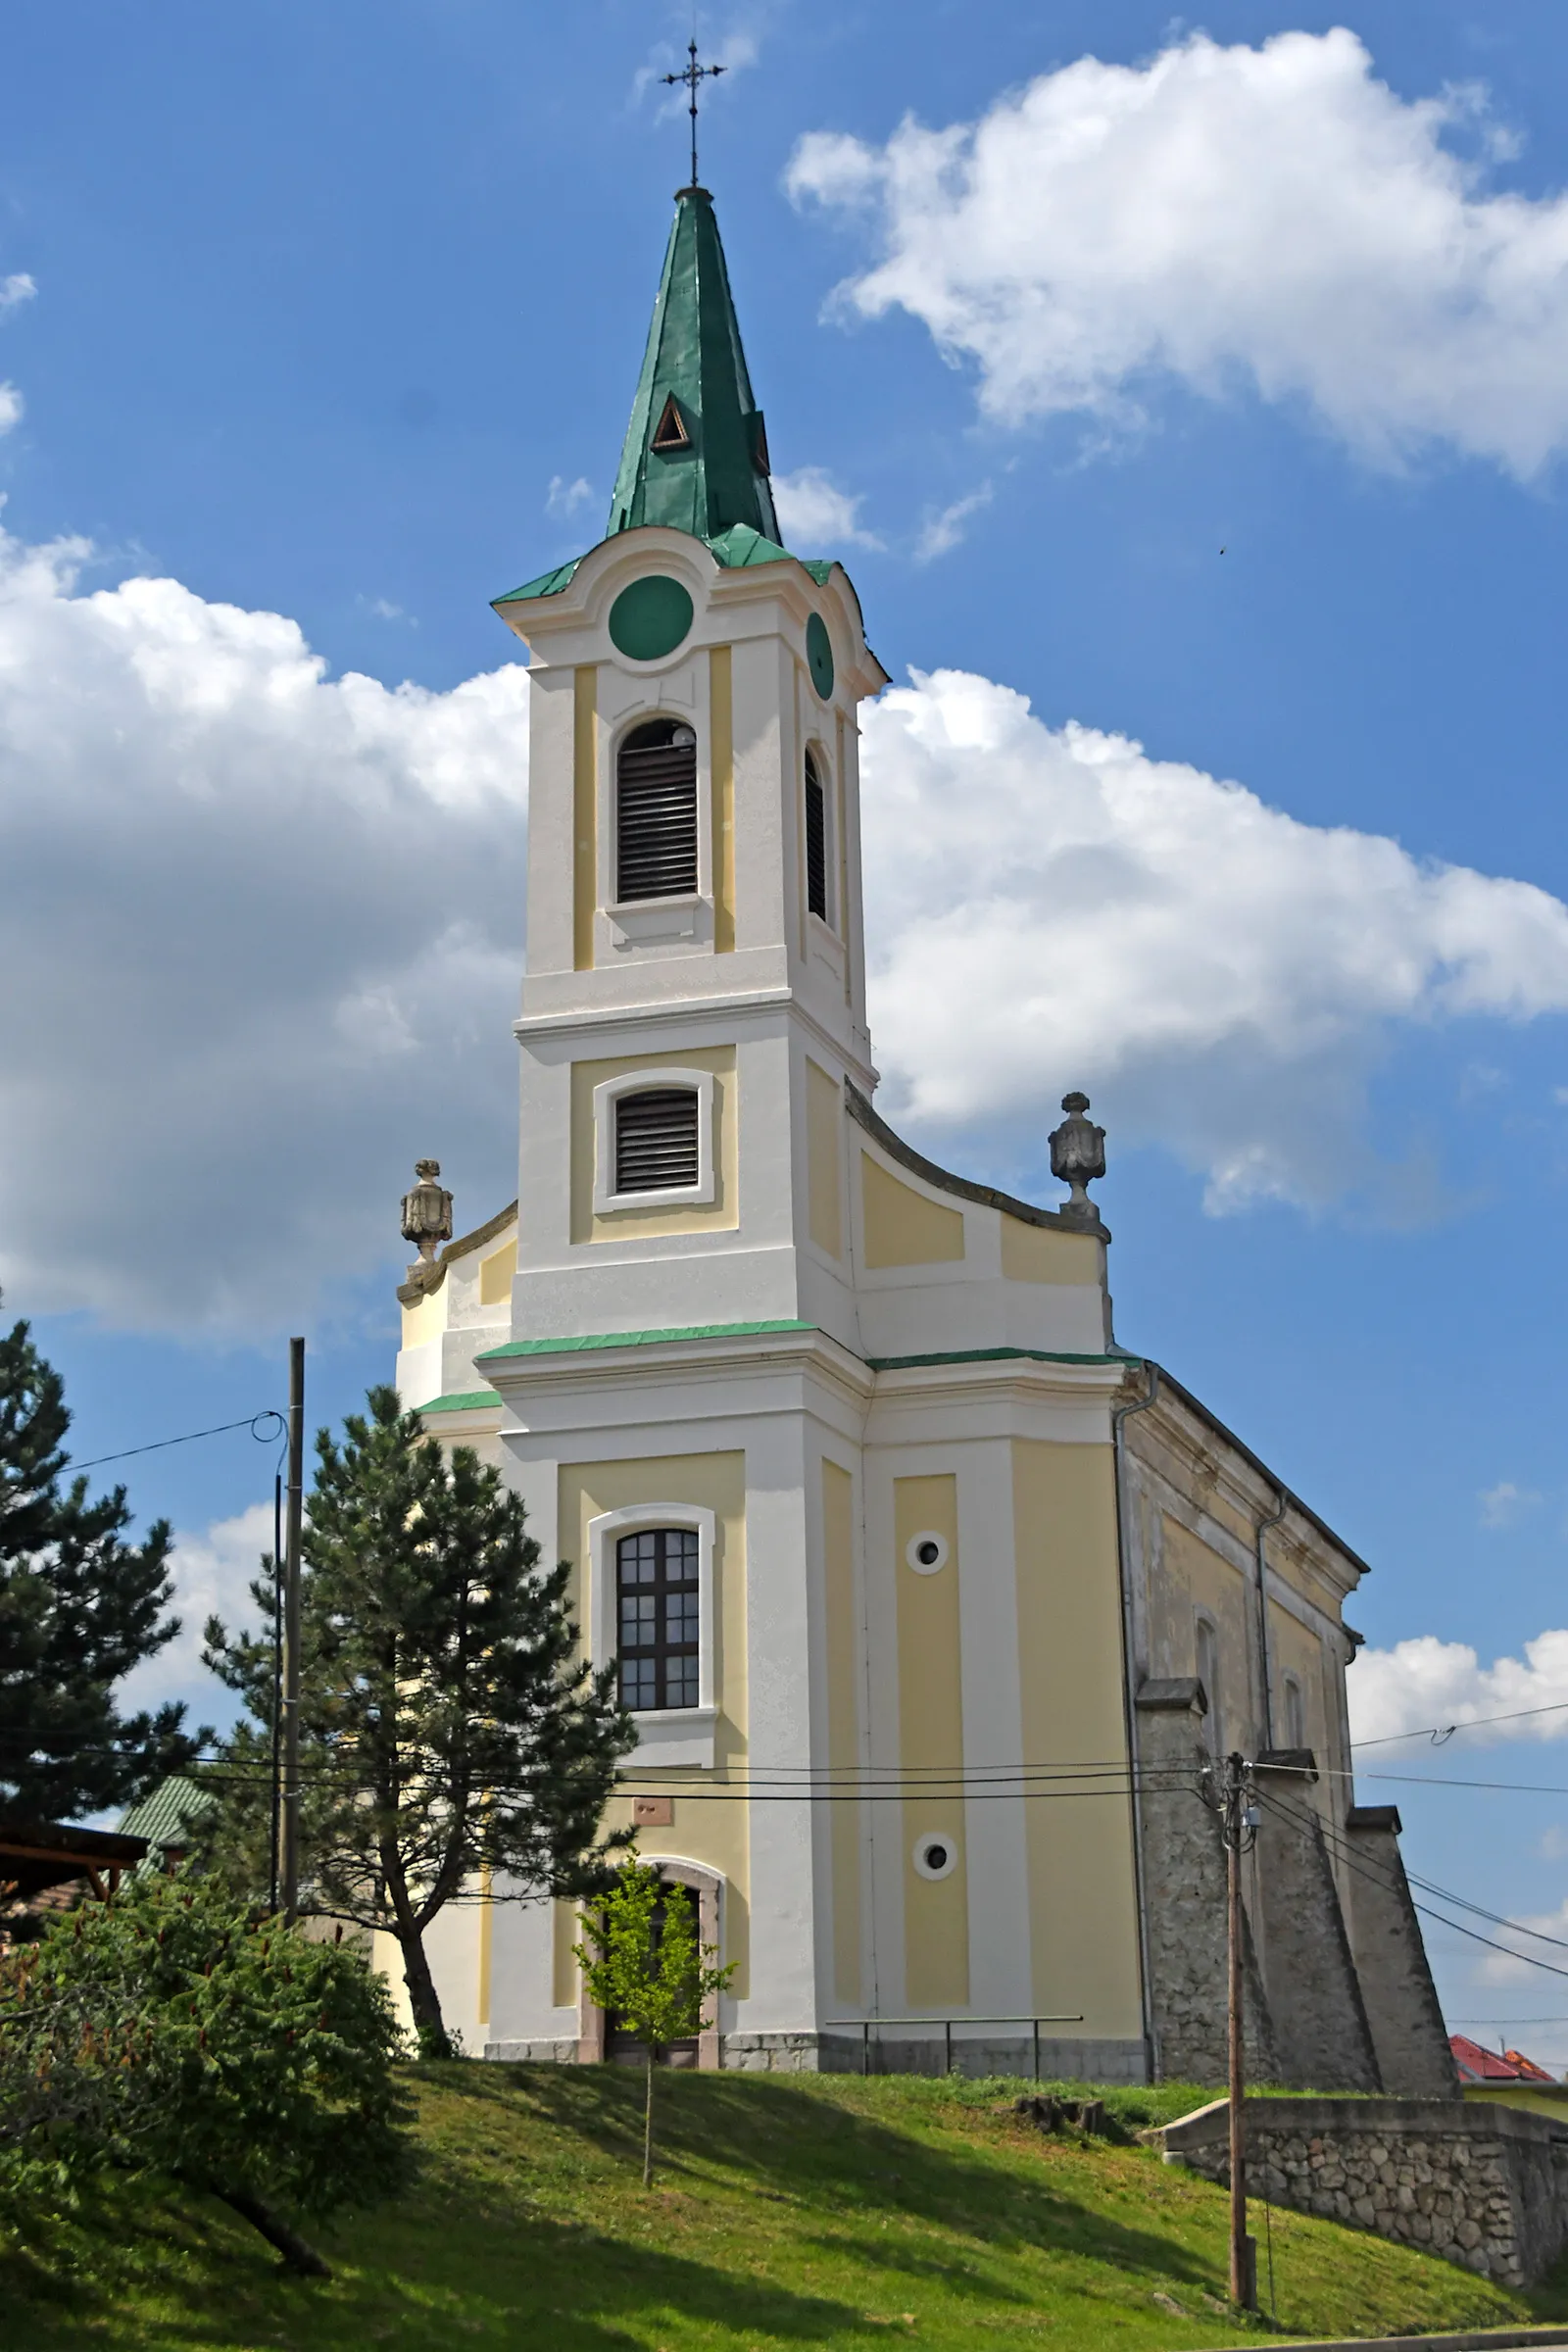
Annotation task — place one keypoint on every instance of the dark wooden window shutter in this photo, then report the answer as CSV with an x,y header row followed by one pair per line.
x,y
815,841
655,1139
656,812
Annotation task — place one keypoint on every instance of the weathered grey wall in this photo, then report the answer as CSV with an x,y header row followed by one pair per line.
x,y
1408,2032
1185,1899
1484,2187
1321,2033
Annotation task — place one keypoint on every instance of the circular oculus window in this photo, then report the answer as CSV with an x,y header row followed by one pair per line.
x,y
926,1552
819,655
649,618
936,1855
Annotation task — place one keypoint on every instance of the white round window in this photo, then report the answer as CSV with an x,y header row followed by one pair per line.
x,y
936,1854
926,1552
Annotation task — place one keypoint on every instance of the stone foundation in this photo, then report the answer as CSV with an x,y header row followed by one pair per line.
x,y
1485,2188
844,2052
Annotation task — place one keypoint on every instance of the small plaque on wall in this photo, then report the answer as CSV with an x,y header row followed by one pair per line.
x,y
653,1812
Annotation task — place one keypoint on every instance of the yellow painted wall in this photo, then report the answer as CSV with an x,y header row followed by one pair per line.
x,y
709,1831
722,759
496,1275
427,1320
624,1224
1197,1579
903,1228
567,1931
1034,1253
1083,1911
584,814
843,1723
824,1120
936,1912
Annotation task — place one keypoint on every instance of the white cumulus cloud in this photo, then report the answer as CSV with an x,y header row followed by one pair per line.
x,y
563,498
212,1572
1273,216
941,532
12,407
14,290
260,932
1425,1683
1051,908
259,938
815,514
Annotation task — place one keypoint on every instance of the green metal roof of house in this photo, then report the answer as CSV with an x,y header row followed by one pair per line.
x,y
694,457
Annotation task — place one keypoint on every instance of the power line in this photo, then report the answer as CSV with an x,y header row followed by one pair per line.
x,y
1440,1732
189,1438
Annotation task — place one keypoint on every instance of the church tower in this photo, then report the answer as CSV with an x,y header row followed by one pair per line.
x,y
832,1437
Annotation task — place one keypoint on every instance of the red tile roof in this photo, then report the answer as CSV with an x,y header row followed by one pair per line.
x,y
1477,2065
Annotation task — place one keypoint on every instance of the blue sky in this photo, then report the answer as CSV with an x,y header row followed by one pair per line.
x,y
329,314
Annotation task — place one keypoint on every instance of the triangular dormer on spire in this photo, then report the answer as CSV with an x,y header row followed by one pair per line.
x,y
696,451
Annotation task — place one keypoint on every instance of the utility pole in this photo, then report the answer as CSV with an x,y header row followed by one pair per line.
x,y
291,1631
1239,1819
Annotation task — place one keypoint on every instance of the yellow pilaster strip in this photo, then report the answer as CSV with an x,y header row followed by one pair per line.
x,y
936,1911
843,1743
1083,1911
721,751
584,814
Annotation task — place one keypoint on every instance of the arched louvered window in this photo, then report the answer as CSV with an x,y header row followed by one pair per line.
x,y
655,811
656,1144
816,840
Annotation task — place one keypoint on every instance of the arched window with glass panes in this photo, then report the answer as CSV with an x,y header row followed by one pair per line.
x,y
655,811
658,1594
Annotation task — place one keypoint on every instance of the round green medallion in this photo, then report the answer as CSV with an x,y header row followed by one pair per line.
x,y
820,654
649,618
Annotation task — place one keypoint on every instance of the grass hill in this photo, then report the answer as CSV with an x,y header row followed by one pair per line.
x,y
813,2213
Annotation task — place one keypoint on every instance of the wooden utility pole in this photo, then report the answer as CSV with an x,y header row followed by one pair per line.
x,y
291,1631
1243,2253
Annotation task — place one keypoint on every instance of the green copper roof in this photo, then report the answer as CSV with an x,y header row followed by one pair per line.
x,y
694,397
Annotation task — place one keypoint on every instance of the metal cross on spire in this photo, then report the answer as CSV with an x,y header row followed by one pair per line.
x,y
693,75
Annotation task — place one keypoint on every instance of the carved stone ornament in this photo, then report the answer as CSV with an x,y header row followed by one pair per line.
x,y
427,1210
1077,1157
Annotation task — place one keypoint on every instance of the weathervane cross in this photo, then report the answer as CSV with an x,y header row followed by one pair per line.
x,y
693,75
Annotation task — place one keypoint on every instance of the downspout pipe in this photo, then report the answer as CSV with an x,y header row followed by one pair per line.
x,y
1265,1679
1120,1414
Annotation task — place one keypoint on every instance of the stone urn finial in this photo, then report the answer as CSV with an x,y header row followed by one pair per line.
x,y
427,1210
1077,1157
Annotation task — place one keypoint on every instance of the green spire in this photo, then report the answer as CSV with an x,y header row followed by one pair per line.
x,y
696,454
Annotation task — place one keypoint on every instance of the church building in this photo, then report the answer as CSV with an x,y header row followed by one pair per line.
x,y
931,1601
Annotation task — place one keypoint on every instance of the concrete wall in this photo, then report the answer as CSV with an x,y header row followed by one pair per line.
x,y
1488,2191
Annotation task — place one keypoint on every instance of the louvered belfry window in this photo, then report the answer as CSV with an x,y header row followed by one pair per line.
x,y
815,841
658,1591
655,811
655,1139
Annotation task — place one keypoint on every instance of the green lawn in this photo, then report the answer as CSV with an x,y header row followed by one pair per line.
x,y
803,2212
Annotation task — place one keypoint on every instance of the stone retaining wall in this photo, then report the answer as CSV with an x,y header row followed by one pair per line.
x,y
1486,2188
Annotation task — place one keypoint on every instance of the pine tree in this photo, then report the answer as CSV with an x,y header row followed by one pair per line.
x,y
450,1734
80,1607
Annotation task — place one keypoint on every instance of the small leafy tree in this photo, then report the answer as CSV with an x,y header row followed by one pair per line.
x,y
643,1963
449,1725
168,2033
80,1607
